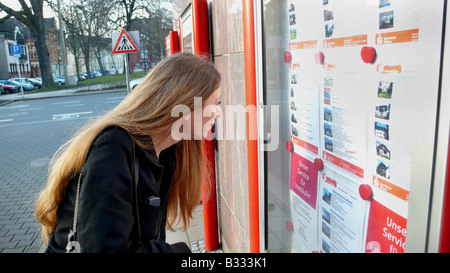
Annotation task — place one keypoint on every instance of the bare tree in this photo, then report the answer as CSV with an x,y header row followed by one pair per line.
x,y
157,26
101,45
73,45
33,18
72,38
88,23
127,11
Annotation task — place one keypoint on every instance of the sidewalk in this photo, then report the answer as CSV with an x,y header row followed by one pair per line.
x,y
193,237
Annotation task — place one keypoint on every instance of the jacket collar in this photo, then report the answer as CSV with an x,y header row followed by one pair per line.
x,y
166,155
151,155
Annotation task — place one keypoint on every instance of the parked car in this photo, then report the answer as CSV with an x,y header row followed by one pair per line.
x,y
96,74
135,83
59,80
36,84
85,75
8,88
25,86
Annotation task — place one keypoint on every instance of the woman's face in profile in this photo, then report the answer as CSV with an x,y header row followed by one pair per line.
x,y
210,111
196,124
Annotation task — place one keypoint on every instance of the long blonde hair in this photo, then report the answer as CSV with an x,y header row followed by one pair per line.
x,y
145,111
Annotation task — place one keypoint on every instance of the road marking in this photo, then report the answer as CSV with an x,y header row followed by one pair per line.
x,y
5,120
31,109
66,102
36,122
115,98
70,115
73,105
16,106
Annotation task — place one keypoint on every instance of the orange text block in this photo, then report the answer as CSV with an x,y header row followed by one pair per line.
x,y
390,188
343,164
346,41
305,145
303,45
404,36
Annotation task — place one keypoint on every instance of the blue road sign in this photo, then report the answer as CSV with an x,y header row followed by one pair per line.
x,y
16,49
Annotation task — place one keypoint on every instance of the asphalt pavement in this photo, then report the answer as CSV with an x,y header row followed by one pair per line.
x,y
31,130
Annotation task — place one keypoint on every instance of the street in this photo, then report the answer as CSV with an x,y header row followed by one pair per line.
x,y
30,133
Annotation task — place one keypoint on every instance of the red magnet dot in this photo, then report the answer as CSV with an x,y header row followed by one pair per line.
x,y
318,164
289,146
319,57
365,191
368,54
287,56
289,226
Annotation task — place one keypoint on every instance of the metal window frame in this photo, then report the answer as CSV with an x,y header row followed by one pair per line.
x,y
259,58
426,210
434,231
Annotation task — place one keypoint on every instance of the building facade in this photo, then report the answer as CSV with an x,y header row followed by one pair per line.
x,y
12,65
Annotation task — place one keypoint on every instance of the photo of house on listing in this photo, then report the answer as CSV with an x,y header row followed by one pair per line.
x,y
383,111
328,129
327,114
385,89
327,96
328,144
381,130
383,170
383,150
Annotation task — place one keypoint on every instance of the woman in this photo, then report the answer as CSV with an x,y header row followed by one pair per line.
x,y
109,216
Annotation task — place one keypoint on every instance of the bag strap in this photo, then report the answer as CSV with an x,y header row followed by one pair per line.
x,y
73,232
136,181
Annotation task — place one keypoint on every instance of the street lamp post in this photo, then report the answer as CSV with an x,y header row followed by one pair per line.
x,y
63,47
20,76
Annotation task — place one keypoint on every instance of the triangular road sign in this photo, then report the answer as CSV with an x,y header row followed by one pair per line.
x,y
125,44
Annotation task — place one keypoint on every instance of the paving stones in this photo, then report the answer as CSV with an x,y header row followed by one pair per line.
x,y
199,247
25,155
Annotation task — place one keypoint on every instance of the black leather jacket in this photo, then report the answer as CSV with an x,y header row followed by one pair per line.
x,y
106,213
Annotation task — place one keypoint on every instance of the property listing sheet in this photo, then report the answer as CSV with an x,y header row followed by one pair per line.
x,y
304,111
304,86
353,118
343,121
342,214
303,184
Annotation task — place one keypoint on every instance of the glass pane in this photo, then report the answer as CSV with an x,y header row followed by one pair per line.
x,y
350,110
276,32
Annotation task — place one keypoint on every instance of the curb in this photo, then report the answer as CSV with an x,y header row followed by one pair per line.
x,y
73,94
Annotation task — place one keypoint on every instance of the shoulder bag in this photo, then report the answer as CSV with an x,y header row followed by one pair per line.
x,y
72,245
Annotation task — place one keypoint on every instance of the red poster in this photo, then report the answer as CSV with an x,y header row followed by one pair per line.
x,y
386,230
304,179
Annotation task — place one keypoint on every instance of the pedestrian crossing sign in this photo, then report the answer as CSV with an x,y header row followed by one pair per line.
x,y
124,44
